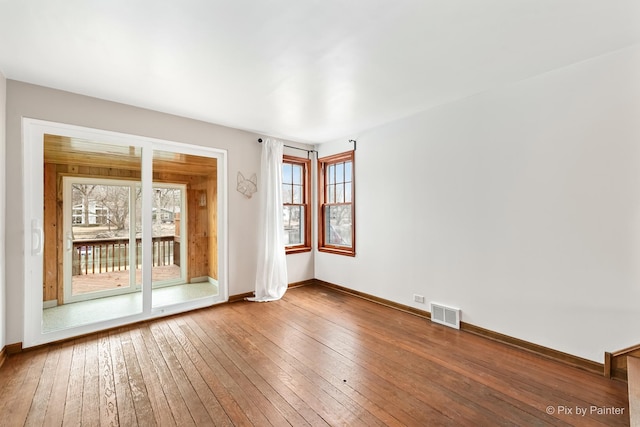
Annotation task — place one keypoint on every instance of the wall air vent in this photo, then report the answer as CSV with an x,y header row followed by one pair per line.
x,y
445,315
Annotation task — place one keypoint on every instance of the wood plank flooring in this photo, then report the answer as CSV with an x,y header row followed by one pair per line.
x,y
317,357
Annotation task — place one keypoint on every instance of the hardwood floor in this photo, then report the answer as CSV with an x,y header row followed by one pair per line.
x,y
317,357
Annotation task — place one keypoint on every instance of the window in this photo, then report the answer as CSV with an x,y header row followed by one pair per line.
x,y
337,204
295,199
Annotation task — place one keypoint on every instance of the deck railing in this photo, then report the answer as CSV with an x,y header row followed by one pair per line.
x,y
97,256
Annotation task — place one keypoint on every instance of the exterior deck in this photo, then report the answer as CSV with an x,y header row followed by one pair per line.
x,y
86,283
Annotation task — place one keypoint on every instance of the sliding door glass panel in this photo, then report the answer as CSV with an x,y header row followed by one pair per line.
x,y
137,220
168,204
91,193
100,238
185,248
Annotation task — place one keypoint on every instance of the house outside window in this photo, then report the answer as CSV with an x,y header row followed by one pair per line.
x,y
336,195
94,214
295,198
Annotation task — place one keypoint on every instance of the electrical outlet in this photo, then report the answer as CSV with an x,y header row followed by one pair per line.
x,y
418,298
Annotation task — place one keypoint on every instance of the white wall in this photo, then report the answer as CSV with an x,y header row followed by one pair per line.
x,y
3,320
24,100
520,205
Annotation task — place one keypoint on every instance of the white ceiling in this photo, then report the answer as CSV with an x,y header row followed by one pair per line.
x,y
305,70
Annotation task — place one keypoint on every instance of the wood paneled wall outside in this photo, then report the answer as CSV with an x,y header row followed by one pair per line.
x,y
212,220
202,221
316,357
53,236
198,223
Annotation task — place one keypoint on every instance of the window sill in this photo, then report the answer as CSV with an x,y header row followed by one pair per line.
x,y
337,251
297,249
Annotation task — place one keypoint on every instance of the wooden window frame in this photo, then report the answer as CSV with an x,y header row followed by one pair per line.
x,y
305,246
323,163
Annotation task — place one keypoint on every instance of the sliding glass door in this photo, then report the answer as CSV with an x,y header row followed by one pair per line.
x,y
101,251
122,228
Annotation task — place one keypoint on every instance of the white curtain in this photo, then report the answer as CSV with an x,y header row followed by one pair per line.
x,y
271,274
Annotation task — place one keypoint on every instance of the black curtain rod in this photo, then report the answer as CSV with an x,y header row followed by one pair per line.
x,y
290,146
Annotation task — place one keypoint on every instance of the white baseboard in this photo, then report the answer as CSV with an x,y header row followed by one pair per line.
x,y
50,304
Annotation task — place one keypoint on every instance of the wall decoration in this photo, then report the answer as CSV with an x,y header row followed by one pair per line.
x,y
247,186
